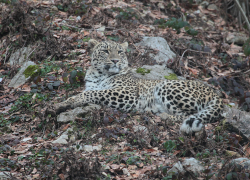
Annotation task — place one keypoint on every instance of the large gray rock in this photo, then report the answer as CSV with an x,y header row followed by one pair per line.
x,y
20,56
19,79
5,175
244,162
238,119
160,44
77,112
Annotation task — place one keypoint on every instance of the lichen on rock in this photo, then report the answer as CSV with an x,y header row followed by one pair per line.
x,y
143,71
171,77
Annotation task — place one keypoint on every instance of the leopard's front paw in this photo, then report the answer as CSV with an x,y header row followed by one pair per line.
x,y
191,125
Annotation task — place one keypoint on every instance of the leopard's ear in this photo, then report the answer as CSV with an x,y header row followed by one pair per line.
x,y
125,45
92,43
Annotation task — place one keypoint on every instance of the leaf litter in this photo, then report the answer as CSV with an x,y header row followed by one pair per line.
x,y
59,32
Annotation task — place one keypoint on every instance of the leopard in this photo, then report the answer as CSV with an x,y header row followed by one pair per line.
x,y
110,82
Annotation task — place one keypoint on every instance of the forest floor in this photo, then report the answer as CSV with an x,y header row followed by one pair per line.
x,y
58,32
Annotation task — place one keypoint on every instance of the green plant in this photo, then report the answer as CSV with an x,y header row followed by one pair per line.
x,y
76,7
148,159
23,101
204,154
115,159
133,160
6,1
113,38
7,164
246,47
170,145
74,76
26,101
223,57
176,24
3,121
48,66
86,39
127,14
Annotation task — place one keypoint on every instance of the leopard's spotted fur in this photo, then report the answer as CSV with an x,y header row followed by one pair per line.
x,y
110,82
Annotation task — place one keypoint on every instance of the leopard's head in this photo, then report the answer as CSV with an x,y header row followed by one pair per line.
x,y
108,57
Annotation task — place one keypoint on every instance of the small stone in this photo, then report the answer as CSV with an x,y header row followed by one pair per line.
x,y
26,139
210,23
54,8
140,128
56,83
212,7
53,93
204,4
90,148
78,18
161,6
204,18
62,139
161,127
50,86
34,90
196,47
152,27
101,29
125,171
207,49
197,12
232,104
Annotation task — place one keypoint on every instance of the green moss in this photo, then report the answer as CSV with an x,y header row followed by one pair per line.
x,y
143,71
86,39
171,77
31,70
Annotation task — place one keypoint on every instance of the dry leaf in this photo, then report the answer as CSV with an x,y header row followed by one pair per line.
x,y
61,176
66,127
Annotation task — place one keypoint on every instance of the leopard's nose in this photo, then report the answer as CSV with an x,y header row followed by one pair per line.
x,y
114,60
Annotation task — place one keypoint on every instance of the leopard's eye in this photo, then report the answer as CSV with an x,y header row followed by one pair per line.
x,y
119,52
106,51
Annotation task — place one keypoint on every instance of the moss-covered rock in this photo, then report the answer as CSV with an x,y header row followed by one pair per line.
x,y
31,71
143,71
171,77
